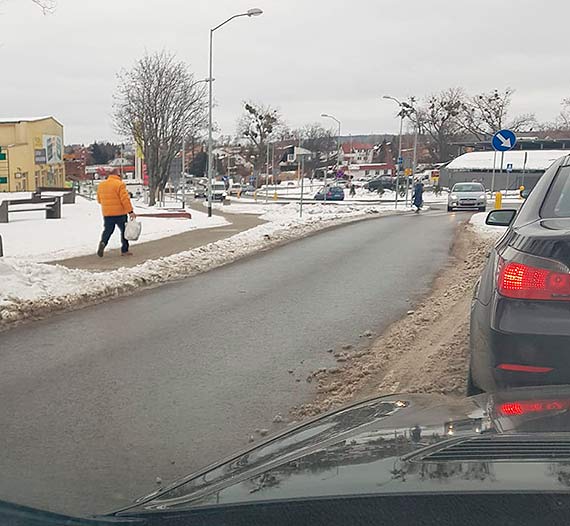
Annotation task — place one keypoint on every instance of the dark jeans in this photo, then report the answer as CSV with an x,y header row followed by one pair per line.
x,y
110,222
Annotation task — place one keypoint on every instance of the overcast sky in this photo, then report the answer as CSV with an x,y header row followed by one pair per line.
x,y
304,56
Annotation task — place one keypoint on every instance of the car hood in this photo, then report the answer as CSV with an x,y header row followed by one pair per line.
x,y
516,440
467,195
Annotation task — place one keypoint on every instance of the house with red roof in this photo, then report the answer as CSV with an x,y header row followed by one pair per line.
x,y
357,153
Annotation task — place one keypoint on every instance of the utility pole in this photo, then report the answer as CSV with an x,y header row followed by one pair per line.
x,y
183,175
338,145
400,160
267,174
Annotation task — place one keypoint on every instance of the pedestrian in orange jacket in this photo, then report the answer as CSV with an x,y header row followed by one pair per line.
x,y
116,205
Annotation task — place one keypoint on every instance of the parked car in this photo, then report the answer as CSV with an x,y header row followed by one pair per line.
x,y
219,192
520,315
200,192
236,189
247,189
334,193
385,182
468,196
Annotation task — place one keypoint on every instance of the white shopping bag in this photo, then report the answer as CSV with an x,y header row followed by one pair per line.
x,y
133,230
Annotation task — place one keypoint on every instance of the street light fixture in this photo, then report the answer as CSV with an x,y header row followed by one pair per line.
x,y
251,12
338,161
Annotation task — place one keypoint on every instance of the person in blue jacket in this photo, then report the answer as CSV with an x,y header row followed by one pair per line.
x,y
418,195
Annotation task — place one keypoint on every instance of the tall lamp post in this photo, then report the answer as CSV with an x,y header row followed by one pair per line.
x,y
405,110
249,13
183,177
339,160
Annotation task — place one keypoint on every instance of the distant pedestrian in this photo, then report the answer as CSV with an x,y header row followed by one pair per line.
x,y
418,196
352,190
116,205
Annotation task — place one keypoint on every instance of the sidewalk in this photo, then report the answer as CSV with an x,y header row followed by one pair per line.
x,y
162,247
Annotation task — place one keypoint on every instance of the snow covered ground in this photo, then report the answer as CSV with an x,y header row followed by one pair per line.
x,y
486,231
29,289
30,237
278,210
293,191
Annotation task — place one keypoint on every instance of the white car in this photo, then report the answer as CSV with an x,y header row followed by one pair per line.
x,y
468,196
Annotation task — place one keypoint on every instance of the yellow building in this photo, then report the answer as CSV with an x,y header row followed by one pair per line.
x,y
31,154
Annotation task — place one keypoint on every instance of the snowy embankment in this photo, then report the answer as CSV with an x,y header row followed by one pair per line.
x,y
29,289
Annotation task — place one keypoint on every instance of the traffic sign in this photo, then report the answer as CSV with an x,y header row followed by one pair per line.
x,y
504,140
509,167
400,160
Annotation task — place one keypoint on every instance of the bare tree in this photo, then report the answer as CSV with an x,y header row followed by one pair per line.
x,y
320,141
47,6
437,119
563,119
259,124
486,113
157,102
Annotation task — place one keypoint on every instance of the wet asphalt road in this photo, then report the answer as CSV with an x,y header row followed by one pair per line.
x,y
98,403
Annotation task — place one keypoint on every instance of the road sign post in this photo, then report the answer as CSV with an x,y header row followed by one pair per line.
x,y
509,171
503,141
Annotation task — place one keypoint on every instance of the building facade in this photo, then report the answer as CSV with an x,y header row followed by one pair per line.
x,y
357,153
368,171
31,154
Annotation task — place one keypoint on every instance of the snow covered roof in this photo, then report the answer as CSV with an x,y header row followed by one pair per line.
x,y
373,166
536,160
348,147
14,120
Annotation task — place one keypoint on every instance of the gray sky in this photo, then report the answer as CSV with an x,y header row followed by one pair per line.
x,y
304,56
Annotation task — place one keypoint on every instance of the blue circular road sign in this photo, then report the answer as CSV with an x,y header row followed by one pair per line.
x,y
504,140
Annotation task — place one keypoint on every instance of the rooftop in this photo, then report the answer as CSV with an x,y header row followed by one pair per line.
x,y
529,160
15,120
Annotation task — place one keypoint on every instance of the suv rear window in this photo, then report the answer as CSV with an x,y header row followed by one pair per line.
x,y
557,202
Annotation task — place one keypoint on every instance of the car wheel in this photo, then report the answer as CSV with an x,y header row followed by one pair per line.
x,y
449,209
472,388
482,209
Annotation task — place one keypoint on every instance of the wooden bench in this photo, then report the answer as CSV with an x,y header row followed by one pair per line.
x,y
68,193
51,205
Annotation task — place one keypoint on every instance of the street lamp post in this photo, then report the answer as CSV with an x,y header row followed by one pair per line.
x,y
405,111
183,177
398,163
249,13
339,160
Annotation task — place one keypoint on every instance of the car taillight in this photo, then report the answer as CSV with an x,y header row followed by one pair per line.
x,y
523,407
522,281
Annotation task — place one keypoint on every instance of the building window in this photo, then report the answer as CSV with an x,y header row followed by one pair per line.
x,y
366,172
377,172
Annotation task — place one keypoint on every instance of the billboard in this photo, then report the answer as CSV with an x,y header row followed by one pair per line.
x,y
40,156
53,145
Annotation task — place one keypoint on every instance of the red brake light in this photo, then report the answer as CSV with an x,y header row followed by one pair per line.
x,y
517,280
524,407
523,368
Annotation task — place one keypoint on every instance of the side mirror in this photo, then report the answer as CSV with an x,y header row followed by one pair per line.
x,y
500,217
525,193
